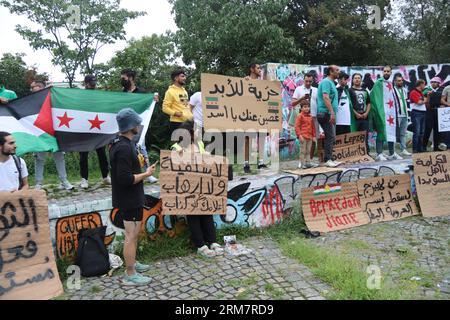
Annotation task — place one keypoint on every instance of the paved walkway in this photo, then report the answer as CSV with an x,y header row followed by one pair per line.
x,y
265,274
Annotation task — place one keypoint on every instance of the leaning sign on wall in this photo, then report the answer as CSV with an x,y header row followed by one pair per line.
x,y
237,104
348,148
332,207
432,176
193,185
27,265
387,198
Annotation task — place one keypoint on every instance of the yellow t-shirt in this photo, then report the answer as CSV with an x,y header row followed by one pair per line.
x,y
177,100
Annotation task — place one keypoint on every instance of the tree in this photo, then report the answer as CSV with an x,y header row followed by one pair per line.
x,y
226,36
72,31
16,76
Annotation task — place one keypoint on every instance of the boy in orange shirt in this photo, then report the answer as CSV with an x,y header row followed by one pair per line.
x,y
306,133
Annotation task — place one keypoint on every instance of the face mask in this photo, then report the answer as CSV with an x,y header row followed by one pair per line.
x,y
125,83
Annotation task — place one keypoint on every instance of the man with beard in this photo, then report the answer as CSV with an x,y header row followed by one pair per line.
x,y
401,103
432,122
13,170
128,191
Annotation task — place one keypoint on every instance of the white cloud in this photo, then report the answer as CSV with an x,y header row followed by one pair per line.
x,y
158,20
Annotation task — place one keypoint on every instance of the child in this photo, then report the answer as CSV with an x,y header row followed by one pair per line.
x,y
306,133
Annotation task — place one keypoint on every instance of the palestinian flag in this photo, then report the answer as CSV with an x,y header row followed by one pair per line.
x,y
383,109
85,120
27,119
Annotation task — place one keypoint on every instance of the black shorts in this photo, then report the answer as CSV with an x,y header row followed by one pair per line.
x,y
133,214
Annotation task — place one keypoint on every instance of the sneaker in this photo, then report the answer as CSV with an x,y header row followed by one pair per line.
x,y
141,267
405,153
107,180
442,147
136,279
66,185
206,252
247,168
381,157
332,164
217,248
152,179
84,184
308,166
300,166
38,187
395,156
262,165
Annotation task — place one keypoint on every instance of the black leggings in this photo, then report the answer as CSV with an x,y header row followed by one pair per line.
x,y
103,162
203,231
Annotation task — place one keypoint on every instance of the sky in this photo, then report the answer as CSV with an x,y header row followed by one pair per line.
x,y
158,20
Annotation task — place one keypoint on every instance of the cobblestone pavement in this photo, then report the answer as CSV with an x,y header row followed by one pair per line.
x,y
263,275
413,249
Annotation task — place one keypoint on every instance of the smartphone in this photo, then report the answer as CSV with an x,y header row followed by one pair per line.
x,y
157,161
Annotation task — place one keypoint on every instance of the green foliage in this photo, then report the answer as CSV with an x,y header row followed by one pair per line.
x,y
93,24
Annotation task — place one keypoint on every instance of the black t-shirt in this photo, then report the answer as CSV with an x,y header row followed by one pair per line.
x,y
124,165
360,99
137,90
434,98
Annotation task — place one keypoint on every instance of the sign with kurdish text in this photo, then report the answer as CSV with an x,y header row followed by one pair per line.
x,y
193,184
387,198
27,265
332,207
238,104
349,148
432,176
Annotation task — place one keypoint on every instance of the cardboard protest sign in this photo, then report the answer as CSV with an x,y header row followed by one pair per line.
x,y
348,148
193,184
237,104
67,229
387,198
444,119
332,207
313,171
432,177
27,265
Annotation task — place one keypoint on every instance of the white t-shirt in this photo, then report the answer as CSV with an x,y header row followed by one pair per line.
x,y
302,91
343,115
196,102
9,175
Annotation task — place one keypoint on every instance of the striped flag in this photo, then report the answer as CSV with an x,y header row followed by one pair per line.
x,y
332,188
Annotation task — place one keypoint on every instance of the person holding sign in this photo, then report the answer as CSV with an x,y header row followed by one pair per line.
x,y
128,191
176,101
327,107
13,170
203,230
306,133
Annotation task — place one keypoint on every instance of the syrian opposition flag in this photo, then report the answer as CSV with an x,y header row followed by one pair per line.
x,y
383,108
85,120
28,121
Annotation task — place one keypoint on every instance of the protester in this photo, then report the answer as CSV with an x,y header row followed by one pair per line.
x,y
360,100
128,82
307,92
13,170
418,115
306,133
196,108
431,121
6,95
128,191
203,230
401,103
176,101
344,116
378,101
39,163
327,107
90,83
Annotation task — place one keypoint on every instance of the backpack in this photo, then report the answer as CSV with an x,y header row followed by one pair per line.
x,y
19,169
92,256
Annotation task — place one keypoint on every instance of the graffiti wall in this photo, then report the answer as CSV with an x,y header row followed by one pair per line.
x,y
291,76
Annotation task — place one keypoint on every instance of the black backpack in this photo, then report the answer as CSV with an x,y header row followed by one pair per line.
x,y
92,256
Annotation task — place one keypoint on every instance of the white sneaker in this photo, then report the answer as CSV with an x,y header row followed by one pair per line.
x,y
107,180
84,184
152,179
442,147
332,164
405,153
300,165
66,185
395,156
206,252
381,157
217,248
